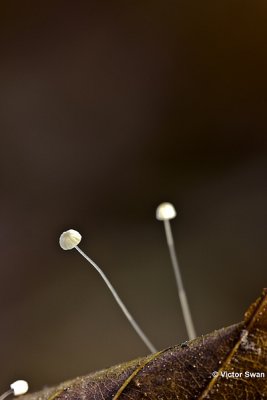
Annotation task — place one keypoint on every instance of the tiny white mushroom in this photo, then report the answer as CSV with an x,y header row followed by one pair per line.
x,y
69,239
16,389
165,212
19,387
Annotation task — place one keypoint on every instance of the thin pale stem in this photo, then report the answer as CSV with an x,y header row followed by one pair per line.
x,y
6,394
181,291
136,327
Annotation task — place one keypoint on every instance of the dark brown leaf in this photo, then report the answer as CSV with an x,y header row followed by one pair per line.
x,y
186,371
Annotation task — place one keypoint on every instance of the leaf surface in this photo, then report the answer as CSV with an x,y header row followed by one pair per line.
x,y
192,370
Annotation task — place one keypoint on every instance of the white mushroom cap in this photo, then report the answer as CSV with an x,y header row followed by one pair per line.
x,y
19,387
69,239
165,211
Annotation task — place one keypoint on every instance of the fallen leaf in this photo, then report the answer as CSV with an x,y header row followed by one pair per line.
x,y
199,369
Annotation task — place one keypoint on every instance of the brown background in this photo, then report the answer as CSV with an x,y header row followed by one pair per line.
x,y
107,109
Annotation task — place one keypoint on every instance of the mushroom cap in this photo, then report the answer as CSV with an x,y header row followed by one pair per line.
x,y
19,387
165,211
69,239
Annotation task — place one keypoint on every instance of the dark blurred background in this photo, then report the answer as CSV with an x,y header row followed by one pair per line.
x,y
108,109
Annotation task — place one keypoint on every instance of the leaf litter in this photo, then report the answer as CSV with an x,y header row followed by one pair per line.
x,y
230,363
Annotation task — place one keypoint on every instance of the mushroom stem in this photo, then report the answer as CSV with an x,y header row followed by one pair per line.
x,y
6,394
180,287
134,324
